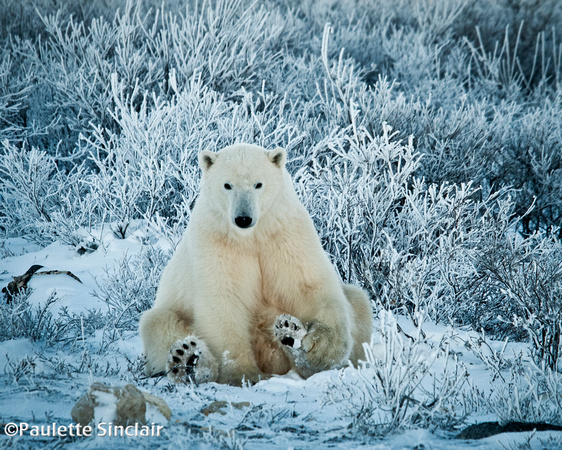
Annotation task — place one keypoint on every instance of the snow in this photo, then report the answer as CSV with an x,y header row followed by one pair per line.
x,y
106,410
153,415
283,412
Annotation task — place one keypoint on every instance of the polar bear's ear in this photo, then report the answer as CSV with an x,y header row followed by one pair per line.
x,y
206,159
278,156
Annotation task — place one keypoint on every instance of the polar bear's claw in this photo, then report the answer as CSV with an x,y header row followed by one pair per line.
x,y
289,331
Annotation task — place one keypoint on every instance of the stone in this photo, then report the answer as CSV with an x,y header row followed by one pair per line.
x,y
120,405
131,406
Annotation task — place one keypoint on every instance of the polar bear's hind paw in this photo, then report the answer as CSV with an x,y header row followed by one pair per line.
x,y
182,360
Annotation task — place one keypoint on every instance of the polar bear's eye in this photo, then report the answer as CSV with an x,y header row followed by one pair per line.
x,y
227,186
258,185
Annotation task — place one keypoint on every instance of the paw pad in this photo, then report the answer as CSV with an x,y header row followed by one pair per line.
x,y
289,341
182,360
289,331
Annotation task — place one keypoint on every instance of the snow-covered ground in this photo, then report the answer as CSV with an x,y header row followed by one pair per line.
x,y
41,380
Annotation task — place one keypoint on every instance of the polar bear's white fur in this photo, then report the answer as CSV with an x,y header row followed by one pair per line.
x,y
249,291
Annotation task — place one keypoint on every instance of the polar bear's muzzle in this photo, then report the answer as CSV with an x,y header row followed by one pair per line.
x,y
244,211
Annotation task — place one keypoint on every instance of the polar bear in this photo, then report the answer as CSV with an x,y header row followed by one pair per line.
x,y
249,291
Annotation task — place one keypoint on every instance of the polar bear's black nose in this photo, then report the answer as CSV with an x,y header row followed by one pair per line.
x,y
243,221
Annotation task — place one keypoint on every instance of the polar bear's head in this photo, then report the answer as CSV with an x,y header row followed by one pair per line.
x,y
242,182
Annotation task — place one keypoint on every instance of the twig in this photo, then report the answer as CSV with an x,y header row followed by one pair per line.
x,y
20,282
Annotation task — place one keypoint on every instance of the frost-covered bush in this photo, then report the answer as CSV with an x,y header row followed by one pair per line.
x,y
520,391
437,249
19,318
130,288
525,277
404,383
40,200
490,117
21,370
229,44
14,87
531,394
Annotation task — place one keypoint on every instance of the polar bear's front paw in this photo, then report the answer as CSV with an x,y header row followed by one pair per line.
x,y
289,331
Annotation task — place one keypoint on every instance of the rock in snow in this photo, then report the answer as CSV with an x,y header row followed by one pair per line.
x,y
120,405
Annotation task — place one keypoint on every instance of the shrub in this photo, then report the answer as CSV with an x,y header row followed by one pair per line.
x,y
531,394
526,277
20,319
398,387
40,200
129,288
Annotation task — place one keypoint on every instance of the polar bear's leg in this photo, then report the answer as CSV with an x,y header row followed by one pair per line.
x,y
362,323
268,352
190,360
159,329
